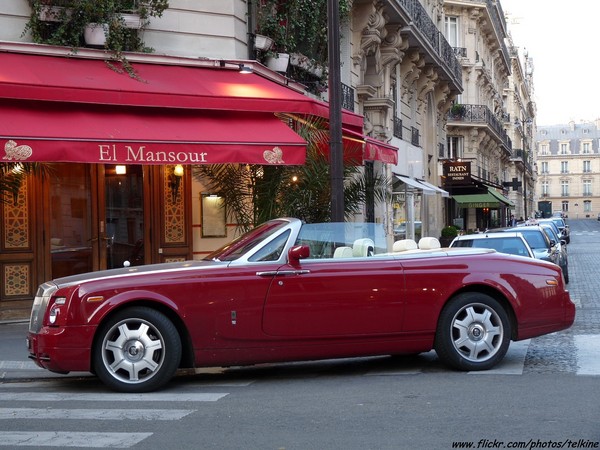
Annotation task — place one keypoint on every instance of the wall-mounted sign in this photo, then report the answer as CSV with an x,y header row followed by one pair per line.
x,y
456,173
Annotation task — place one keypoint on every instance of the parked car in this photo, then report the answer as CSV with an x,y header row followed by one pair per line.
x,y
290,291
543,245
511,243
551,224
400,230
564,228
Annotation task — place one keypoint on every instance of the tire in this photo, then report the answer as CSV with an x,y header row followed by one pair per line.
x,y
473,332
137,350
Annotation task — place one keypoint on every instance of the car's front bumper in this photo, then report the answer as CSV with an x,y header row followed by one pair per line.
x,y
61,349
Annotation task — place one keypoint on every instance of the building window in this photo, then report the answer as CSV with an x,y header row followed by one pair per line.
x,y
545,149
587,166
586,148
565,206
564,189
544,166
545,186
587,187
587,206
564,167
452,30
563,148
455,147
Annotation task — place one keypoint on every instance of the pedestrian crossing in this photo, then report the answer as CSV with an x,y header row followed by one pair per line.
x,y
63,403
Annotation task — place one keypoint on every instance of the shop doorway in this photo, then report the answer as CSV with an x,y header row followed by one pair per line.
x,y
110,216
96,218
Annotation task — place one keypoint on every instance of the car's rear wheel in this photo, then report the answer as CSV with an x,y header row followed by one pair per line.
x,y
473,332
137,350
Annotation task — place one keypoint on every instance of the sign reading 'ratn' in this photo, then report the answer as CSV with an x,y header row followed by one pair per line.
x,y
457,173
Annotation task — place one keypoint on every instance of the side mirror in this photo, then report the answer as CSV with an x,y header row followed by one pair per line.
x,y
298,252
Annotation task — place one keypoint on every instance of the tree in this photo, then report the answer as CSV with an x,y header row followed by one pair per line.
x,y
256,193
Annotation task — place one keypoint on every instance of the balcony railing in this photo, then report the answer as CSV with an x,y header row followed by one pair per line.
x,y
414,137
347,97
478,114
397,127
431,34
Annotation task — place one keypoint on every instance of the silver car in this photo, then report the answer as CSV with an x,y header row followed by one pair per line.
x,y
511,243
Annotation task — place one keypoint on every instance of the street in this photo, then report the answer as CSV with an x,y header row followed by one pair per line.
x,y
546,394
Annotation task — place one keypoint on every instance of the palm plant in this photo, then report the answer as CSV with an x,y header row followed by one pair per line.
x,y
13,174
256,193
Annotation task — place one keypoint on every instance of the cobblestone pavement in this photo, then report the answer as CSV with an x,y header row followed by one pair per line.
x,y
557,352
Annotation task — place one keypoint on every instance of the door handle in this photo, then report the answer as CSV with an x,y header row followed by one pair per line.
x,y
273,273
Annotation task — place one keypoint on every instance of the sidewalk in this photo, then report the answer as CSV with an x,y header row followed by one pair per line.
x,y
14,362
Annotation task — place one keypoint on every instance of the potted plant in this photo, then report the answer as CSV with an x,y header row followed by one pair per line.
x,y
297,26
458,111
448,234
108,19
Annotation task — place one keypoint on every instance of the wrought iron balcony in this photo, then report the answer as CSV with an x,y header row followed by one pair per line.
x,y
480,114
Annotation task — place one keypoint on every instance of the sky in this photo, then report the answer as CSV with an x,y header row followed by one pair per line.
x,y
561,37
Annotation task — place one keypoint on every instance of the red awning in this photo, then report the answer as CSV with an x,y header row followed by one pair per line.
x,y
376,150
77,80
43,131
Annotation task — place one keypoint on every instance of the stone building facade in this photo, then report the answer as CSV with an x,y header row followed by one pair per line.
x,y
568,168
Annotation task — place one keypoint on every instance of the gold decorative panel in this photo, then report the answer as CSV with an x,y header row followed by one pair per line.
x,y
174,259
16,221
174,225
16,279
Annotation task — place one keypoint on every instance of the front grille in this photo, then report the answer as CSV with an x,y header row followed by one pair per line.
x,y
40,304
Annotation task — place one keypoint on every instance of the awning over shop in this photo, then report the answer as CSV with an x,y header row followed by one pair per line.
x,y
490,199
413,183
41,131
78,80
58,108
376,150
501,197
435,188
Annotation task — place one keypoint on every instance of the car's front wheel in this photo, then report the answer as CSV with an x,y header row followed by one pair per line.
x,y
137,350
473,332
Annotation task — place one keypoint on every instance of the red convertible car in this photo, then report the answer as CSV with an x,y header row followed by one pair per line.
x,y
294,291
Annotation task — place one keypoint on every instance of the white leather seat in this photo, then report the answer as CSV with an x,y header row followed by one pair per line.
x,y
404,245
343,252
429,243
363,247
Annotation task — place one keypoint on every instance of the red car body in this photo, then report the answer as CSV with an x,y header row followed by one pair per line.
x,y
278,294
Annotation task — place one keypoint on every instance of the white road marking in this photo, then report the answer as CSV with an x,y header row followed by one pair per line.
x,y
113,397
94,414
513,363
588,354
70,439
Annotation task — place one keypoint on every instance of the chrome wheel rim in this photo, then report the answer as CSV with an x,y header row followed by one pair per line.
x,y
133,351
477,332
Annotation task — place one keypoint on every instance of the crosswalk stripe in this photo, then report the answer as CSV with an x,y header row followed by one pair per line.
x,y
70,439
586,346
94,414
513,363
113,397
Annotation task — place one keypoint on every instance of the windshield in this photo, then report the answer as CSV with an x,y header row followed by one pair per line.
x,y
246,242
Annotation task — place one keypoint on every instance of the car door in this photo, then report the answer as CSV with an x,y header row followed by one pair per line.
x,y
357,296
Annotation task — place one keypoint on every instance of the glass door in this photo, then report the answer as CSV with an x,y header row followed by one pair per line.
x,y
124,230
71,243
